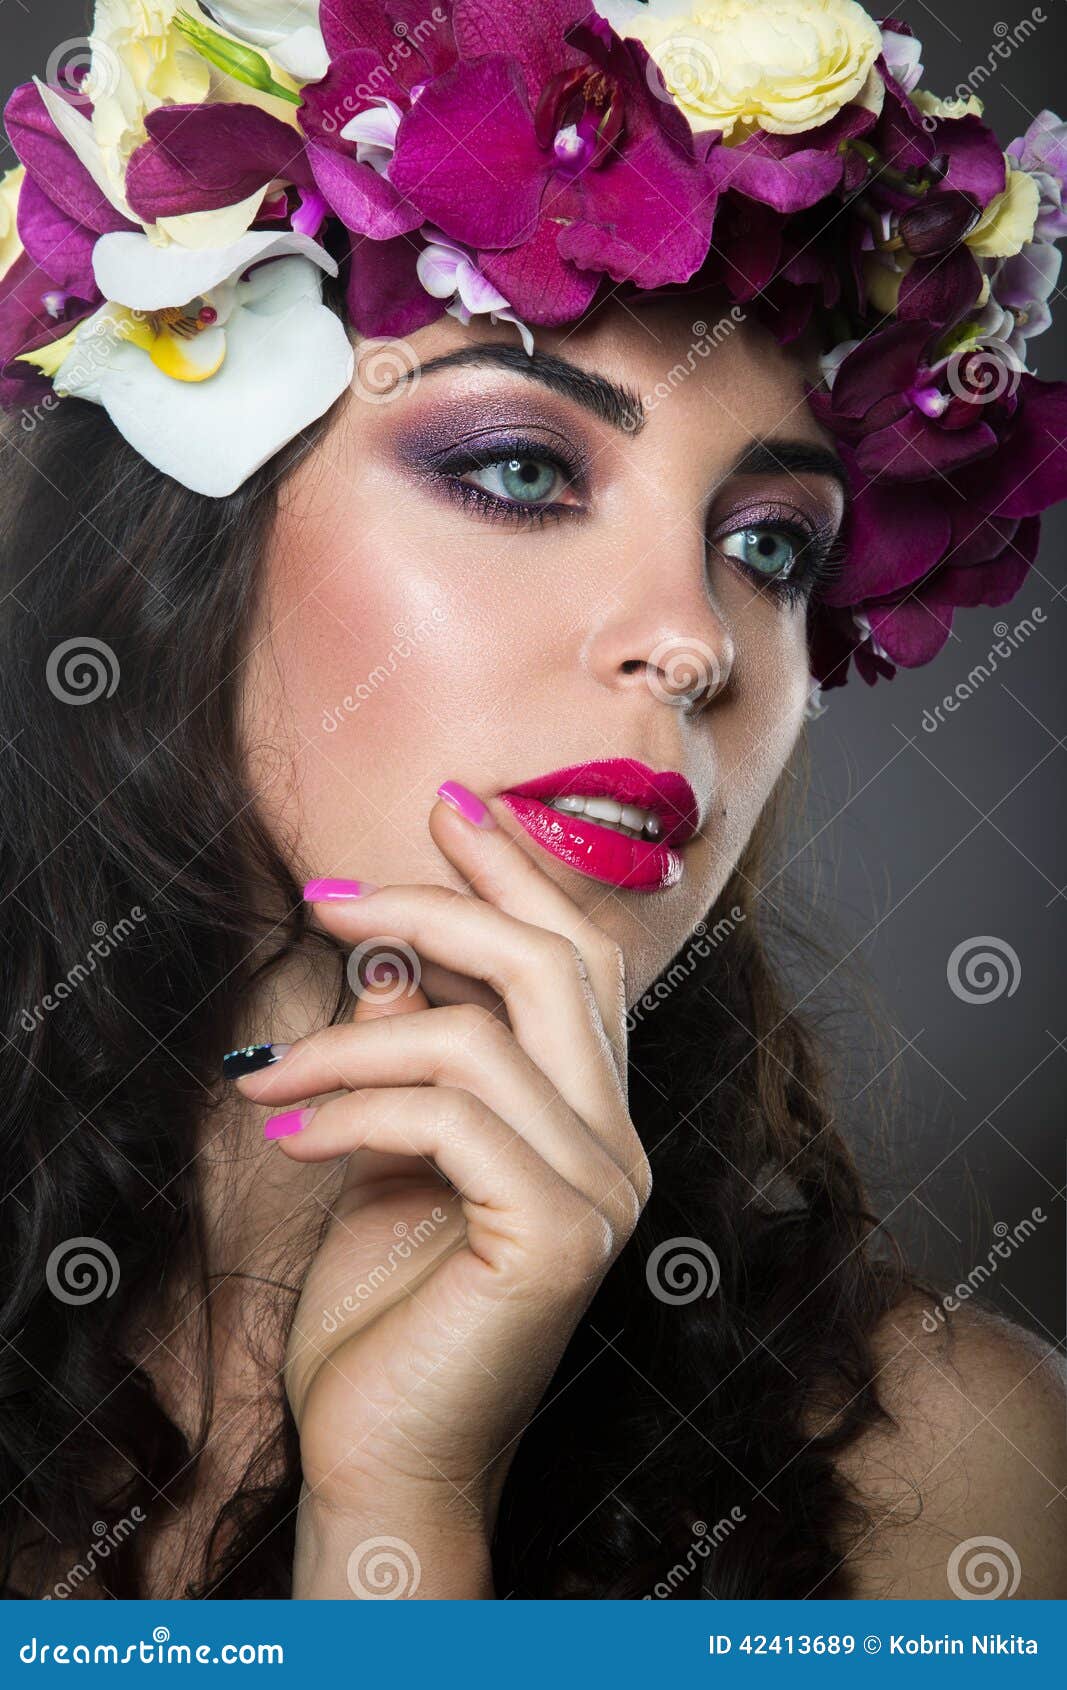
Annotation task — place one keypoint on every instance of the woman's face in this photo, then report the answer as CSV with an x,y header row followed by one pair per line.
x,y
498,567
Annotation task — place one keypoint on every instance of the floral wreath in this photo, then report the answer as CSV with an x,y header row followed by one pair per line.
x,y
184,187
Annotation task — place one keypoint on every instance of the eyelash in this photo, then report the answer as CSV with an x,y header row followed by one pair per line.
x,y
822,550
822,556
510,510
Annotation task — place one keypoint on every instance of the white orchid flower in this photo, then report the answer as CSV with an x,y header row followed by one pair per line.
x,y
207,369
289,29
447,272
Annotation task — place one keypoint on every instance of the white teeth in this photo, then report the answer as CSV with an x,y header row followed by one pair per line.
x,y
627,819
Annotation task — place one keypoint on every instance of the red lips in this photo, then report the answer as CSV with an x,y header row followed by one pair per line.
x,y
644,865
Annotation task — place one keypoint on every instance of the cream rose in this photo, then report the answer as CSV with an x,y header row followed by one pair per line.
x,y
10,245
741,65
139,61
1007,223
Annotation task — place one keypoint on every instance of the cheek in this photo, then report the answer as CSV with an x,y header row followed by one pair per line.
x,y
758,730
378,660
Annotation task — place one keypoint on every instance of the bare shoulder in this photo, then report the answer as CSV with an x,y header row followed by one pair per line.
x,y
966,1489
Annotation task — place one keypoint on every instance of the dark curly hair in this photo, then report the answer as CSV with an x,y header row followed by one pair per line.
x,y
684,1448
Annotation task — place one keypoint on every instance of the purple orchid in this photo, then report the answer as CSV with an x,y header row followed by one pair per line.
x,y
922,546
62,211
546,152
380,58
908,416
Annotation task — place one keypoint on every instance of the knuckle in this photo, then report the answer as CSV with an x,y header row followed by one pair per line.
x,y
560,952
471,1034
457,1111
587,1246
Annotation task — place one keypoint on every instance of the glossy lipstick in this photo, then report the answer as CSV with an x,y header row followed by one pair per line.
x,y
639,865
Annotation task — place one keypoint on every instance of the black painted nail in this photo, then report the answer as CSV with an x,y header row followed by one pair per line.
x,y
251,1059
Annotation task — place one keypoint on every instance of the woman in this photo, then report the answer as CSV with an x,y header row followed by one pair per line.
x,y
427,762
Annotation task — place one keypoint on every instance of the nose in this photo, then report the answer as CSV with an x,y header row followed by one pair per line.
x,y
664,635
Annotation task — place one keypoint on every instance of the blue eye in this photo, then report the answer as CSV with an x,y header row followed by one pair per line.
x,y
768,549
520,480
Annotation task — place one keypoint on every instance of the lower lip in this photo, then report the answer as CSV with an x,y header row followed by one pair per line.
x,y
639,865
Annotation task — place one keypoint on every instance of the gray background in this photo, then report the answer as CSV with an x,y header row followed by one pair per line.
x,y
913,842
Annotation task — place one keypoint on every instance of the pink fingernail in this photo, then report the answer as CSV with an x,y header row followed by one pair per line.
x,y
467,803
322,891
283,1126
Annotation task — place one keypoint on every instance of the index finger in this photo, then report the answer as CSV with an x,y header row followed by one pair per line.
x,y
500,869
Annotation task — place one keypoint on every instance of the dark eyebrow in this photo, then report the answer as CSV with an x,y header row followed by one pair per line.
x,y
795,457
607,400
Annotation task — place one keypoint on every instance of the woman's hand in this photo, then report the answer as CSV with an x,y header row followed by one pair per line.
x,y
494,1175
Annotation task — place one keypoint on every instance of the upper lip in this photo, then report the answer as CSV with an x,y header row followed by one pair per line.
x,y
667,794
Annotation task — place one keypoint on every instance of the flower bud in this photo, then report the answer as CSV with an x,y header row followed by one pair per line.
x,y
243,63
940,222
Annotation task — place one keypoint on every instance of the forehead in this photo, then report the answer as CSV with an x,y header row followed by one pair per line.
x,y
694,360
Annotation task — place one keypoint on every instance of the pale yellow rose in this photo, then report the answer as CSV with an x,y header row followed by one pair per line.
x,y
10,245
931,106
1007,223
780,65
1004,228
140,61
